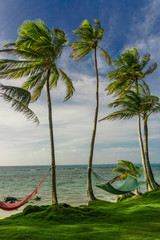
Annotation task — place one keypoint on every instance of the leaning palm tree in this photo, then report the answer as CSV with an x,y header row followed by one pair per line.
x,y
125,168
89,38
141,104
38,49
19,99
129,70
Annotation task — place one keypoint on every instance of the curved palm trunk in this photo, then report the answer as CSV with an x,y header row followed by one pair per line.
x,y
142,153
89,177
147,162
53,167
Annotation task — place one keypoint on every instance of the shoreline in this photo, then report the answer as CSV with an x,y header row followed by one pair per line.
x,y
5,214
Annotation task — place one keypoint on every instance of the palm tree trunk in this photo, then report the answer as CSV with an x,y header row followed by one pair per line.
x,y
147,162
142,152
148,183
89,177
53,167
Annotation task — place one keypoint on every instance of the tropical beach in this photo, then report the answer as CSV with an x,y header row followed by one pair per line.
x,y
71,184
98,220
80,132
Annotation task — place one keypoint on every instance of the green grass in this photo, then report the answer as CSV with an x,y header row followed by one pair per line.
x,y
136,218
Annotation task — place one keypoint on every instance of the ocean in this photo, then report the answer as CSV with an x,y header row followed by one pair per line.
x,y
20,181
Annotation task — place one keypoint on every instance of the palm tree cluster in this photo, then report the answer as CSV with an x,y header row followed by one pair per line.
x,y
134,99
36,52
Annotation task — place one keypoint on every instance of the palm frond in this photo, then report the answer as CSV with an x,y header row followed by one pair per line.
x,y
86,24
17,93
8,64
60,37
146,88
146,58
119,87
120,170
32,33
25,54
80,53
53,79
151,68
99,32
19,99
17,73
79,45
9,45
119,115
106,56
68,83
33,80
37,89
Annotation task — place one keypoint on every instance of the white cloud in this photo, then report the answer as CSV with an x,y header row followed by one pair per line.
x,y
144,32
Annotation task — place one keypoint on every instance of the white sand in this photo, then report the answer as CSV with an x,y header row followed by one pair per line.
x,y
4,214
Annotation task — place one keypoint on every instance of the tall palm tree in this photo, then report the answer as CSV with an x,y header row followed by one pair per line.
x,y
89,37
138,103
38,48
20,99
129,70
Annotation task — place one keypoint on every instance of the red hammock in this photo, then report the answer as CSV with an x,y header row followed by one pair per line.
x,y
13,206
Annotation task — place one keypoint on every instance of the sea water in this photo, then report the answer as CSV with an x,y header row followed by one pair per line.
x,y
20,181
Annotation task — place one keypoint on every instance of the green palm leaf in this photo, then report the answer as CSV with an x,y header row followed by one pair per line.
x,y
106,56
53,79
68,84
19,99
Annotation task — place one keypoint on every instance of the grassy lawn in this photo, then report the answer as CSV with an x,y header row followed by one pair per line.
x,y
136,218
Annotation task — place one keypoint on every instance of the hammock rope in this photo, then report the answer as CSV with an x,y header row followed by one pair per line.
x,y
98,177
130,184
13,206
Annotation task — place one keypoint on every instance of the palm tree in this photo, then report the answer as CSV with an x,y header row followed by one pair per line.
x,y
20,99
89,38
129,69
38,48
126,168
138,103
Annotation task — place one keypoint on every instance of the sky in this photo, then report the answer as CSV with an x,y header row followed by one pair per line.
x,y
126,24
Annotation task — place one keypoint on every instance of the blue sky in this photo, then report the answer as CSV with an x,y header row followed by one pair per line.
x,y
126,24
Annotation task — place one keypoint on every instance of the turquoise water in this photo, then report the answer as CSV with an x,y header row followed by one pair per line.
x,y
20,181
